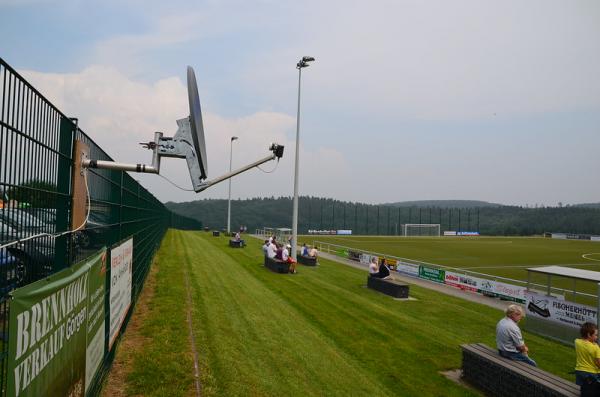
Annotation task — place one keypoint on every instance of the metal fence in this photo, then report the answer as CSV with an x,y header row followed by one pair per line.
x,y
36,192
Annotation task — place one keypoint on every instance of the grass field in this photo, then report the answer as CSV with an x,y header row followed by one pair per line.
x,y
500,256
320,332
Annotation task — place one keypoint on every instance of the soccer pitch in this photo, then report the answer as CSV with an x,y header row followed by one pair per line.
x,y
497,256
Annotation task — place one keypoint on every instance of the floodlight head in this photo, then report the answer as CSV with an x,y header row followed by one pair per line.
x,y
303,63
233,138
197,128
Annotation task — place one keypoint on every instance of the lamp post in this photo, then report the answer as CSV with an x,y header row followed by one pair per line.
x,y
303,63
233,138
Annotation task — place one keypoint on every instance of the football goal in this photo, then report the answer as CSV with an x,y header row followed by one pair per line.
x,y
421,229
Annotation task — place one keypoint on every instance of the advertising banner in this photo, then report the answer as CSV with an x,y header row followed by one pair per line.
x,y
344,232
121,258
486,287
52,330
464,282
365,259
431,274
355,256
408,268
96,334
560,311
450,233
595,238
342,252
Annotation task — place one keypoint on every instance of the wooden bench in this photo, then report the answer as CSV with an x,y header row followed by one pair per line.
x,y
495,375
216,233
237,244
276,265
307,260
388,287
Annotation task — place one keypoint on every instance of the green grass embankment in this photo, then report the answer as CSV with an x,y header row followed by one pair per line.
x,y
320,332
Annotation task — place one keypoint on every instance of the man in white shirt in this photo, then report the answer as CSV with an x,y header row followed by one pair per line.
x,y
508,336
271,250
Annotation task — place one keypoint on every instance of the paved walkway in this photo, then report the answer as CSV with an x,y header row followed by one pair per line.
x,y
443,288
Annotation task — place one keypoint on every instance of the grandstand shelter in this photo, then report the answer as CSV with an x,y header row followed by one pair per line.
x,y
282,234
571,297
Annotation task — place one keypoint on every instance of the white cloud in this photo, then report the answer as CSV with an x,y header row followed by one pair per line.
x,y
117,113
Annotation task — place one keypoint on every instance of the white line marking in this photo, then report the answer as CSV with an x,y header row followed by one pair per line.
x,y
585,256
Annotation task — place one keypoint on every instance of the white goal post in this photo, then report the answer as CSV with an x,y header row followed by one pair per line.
x,y
421,229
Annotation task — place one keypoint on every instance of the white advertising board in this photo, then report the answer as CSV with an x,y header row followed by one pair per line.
x,y
485,286
407,268
121,259
560,311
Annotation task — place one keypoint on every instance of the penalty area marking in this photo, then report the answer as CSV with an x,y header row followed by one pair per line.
x,y
585,256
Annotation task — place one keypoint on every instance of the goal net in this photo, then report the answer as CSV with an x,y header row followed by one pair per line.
x,y
421,229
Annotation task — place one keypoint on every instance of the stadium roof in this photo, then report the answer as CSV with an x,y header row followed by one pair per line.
x,y
567,272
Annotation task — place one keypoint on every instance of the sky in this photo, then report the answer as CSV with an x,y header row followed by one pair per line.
x,y
407,99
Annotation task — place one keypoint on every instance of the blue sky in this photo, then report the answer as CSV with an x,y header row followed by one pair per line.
x,y
407,100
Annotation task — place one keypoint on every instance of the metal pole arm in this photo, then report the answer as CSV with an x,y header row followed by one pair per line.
x,y
112,165
207,184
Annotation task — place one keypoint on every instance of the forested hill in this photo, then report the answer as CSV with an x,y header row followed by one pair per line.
x,y
445,204
319,213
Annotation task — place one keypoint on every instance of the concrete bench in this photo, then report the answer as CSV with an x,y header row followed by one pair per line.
x,y
388,287
485,369
307,260
237,244
216,233
276,265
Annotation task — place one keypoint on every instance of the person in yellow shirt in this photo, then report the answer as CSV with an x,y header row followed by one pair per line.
x,y
587,366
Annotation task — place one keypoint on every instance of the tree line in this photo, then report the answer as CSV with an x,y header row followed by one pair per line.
x,y
315,213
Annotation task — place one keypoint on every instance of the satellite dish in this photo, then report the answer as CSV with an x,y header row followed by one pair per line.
x,y
188,143
196,122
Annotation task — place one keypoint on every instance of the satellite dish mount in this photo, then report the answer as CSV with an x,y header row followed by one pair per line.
x,y
187,143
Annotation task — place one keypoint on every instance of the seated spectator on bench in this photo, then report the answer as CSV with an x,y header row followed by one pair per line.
x,y
378,271
313,252
304,251
508,336
279,252
271,250
237,236
587,366
265,247
285,256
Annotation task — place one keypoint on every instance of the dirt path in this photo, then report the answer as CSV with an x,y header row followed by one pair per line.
x,y
132,341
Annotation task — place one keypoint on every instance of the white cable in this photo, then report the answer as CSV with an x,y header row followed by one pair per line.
x,y
55,235
173,183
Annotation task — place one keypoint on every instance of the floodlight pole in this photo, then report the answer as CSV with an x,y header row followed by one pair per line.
x,y
233,138
300,65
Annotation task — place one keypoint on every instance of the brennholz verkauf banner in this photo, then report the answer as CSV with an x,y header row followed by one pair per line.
x,y
56,330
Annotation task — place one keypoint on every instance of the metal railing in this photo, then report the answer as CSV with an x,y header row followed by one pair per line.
x,y
36,192
334,248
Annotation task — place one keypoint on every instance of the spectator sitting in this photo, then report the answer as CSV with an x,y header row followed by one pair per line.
x,y
587,366
279,252
381,271
508,336
285,256
313,252
304,250
265,247
271,250
237,236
